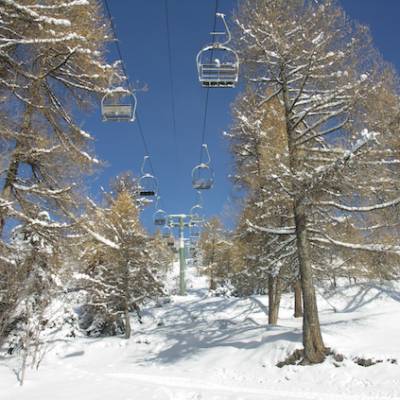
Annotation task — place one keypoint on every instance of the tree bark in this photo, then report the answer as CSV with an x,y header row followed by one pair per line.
x,y
15,161
274,298
128,329
314,348
298,305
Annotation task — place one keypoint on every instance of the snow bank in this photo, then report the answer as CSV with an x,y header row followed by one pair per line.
x,y
200,347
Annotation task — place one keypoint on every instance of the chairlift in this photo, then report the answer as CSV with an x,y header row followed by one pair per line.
x,y
195,215
202,174
160,216
148,185
194,232
118,104
166,232
218,64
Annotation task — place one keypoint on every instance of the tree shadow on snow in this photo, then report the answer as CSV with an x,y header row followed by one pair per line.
x,y
194,329
363,296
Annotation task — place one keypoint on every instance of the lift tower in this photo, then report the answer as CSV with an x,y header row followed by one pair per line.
x,y
181,221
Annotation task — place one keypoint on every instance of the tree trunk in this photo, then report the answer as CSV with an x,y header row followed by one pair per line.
x,y
298,305
314,348
213,285
274,298
13,167
128,329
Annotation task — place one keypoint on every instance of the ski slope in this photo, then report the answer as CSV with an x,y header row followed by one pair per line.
x,y
214,348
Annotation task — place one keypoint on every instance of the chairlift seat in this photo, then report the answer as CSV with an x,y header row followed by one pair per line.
x,y
218,75
202,184
196,220
147,193
160,221
117,112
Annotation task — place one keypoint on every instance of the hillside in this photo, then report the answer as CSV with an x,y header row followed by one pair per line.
x,y
200,347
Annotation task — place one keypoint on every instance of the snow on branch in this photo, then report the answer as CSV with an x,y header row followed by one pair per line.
x,y
287,230
34,15
324,173
356,246
62,5
372,207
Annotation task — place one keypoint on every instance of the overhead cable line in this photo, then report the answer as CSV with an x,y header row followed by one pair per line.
x,y
204,127
124,70
171,81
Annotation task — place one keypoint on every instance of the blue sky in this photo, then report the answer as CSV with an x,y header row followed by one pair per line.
x,y
141,30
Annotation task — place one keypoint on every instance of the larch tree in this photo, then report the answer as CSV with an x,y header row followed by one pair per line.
x,y
325,73
259,146
213,245
121,269
52,57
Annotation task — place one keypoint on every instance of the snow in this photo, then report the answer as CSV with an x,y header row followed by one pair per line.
x,y
201,347
36,16
89,158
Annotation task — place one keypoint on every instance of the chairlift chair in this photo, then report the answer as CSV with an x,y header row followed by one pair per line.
x,y
202,174
160,217
218,64
195,215
194,232
166,232
118,105
202,177
148,185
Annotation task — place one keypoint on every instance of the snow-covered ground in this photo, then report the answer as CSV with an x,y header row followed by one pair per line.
x,y
210,348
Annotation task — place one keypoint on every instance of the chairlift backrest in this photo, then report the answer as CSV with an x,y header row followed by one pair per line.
x,y
218,64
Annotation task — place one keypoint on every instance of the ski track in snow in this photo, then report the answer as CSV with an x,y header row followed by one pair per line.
x,y
215,348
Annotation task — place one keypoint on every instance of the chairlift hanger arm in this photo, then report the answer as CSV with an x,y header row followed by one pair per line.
x,y
145,158
227,31
205,147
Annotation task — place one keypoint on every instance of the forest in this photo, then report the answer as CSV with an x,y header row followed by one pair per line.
x,y
309,269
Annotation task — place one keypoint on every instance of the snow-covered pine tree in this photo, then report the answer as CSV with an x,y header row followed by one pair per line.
x,y
122,268
327,77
